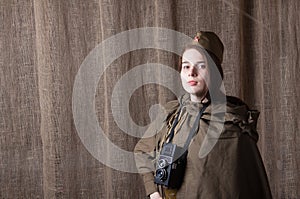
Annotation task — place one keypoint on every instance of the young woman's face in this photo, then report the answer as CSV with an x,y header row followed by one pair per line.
x,y
194,74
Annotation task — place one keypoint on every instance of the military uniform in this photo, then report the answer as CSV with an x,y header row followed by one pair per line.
x,y
232,168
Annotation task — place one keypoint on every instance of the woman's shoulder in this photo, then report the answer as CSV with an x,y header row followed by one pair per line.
x,y
239,113
235,101
171,106
235,105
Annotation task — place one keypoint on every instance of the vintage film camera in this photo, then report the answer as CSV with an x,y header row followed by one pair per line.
x,y
170,166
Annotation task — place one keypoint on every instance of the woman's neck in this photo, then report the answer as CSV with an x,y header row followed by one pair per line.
x,y
195,98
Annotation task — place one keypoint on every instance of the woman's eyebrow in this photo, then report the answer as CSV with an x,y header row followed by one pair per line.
x,y
198,62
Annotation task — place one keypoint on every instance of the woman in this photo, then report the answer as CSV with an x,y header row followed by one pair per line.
x,y
229,165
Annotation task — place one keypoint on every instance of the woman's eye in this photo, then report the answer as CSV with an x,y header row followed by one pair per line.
x,y
201,66
185,66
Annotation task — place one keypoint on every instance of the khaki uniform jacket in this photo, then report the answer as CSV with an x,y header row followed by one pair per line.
x,y
229,167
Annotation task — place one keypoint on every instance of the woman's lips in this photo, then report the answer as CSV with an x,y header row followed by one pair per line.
x,y
192,83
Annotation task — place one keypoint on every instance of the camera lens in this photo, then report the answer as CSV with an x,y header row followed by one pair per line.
x,y
161,174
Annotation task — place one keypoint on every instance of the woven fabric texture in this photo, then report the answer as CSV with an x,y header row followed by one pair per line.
x,y
43,44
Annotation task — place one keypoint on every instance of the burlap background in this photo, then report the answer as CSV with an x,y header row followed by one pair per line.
x,y
43,43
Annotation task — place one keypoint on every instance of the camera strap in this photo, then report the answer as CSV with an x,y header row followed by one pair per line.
x,y
194,127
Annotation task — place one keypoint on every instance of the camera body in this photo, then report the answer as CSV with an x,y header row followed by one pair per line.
x,y
170,167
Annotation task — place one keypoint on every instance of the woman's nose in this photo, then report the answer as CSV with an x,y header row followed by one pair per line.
x,y
193,71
